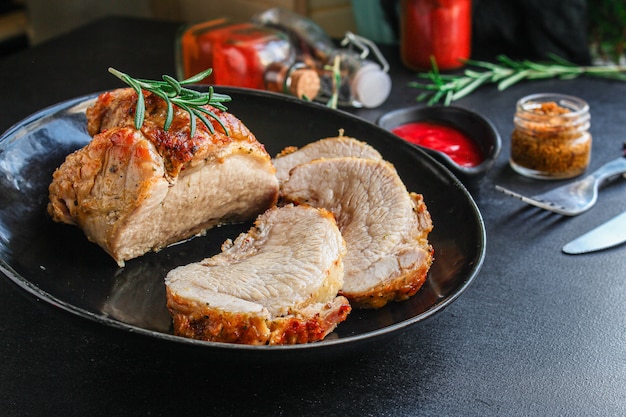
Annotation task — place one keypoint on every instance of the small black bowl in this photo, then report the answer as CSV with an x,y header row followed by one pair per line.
x,y
472,124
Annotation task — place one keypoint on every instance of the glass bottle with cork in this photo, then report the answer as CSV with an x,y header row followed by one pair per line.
x,y
363,71
245,54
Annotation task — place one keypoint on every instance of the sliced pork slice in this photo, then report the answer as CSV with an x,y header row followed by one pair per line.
x,y
385,227
275,284
132,191
334,147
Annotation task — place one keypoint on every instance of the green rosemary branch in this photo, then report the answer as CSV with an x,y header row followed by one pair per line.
x,y
336,85
174,94
505,73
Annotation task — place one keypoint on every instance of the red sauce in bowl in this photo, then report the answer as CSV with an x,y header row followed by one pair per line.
x,y
458,146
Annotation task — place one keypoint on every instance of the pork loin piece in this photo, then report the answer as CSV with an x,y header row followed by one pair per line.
x,y
334,147
275,284
133,191
385,227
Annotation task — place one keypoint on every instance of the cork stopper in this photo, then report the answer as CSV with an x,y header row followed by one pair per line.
x,y
305,83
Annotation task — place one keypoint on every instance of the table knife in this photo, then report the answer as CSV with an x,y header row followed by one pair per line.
x,y
607,235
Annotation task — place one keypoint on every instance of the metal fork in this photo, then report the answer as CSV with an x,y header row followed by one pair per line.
x,y
576,197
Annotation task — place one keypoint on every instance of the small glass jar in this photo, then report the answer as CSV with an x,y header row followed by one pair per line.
x,y
551,138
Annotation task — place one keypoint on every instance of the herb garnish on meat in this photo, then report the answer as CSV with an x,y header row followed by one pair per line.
x,y
173,92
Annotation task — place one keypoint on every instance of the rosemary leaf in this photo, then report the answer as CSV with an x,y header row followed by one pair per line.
x,y
460,84
213,115
141,106
558,60
174,84
535,75
422,96
436,97
169,117
471,86
509,62
482,64
200,116
566,76
472,74
197,78
507,82
336,83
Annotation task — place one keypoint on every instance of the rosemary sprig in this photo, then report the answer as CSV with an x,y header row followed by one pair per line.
x,y
174,94
336,82
505,73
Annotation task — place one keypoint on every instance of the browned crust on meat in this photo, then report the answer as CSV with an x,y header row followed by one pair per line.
x,y
410,281
286,151
193,320
117,109
71,199
293,330
124,176
400,289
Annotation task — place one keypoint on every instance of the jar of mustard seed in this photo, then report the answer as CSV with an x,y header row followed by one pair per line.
x,y
551,138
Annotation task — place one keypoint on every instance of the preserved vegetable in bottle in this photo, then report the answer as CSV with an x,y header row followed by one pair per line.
x,y
247,55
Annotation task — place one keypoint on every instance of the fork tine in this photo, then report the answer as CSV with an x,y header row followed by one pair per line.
x,y
537,203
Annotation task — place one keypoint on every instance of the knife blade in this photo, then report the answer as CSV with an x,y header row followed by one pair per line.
x,y
607,235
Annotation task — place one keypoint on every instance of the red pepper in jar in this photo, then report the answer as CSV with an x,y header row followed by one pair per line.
x,y
438,28
237,52
245,54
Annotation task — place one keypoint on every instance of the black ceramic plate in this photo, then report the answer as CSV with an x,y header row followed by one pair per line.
x,y
56,263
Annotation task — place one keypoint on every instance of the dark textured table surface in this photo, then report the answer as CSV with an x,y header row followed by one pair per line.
x,y
537,333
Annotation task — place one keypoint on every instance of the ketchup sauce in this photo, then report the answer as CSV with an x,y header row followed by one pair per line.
x,y
458,146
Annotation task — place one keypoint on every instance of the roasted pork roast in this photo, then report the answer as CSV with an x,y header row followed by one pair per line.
x,y
332,147
385,227
134,191
275,284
